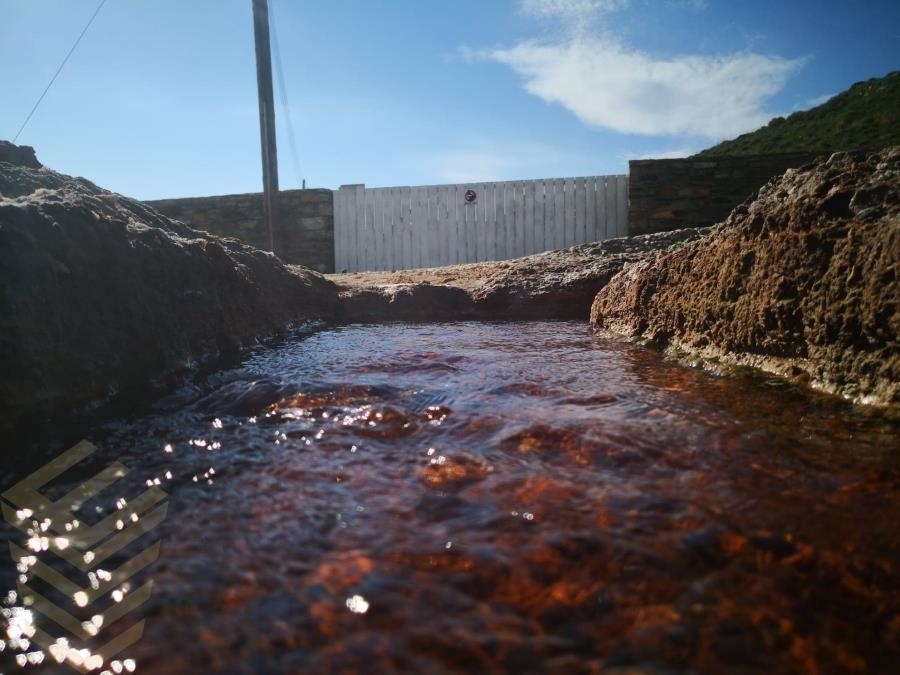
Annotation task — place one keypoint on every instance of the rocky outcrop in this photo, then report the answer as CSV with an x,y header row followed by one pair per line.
x,y
562,284
803,280
553,285
20,155
101,297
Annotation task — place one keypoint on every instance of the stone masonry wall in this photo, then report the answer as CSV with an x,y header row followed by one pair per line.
x,y
667,194
305,236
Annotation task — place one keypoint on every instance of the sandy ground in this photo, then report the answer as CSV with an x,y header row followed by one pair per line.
x,y
467,276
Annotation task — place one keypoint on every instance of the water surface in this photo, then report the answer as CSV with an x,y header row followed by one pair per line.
x,y
519,497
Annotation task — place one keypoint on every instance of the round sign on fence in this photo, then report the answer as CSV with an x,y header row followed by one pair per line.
x,y
471,197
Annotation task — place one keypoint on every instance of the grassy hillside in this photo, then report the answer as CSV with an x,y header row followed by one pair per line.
x,y
866,116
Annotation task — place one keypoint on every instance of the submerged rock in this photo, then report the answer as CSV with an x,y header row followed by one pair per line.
x,y
101,297
803,281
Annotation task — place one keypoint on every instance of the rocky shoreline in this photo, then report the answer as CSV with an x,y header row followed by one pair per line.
x,y
803,281
102,298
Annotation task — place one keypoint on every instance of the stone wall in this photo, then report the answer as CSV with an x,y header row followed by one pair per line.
x,y
305,236
667,194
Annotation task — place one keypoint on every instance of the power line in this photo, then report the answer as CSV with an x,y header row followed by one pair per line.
x,y
279,74
59,70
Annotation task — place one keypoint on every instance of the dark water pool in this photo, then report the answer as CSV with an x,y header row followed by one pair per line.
x,y
507,498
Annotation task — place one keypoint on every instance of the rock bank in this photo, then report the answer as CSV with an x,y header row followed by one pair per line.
x,y
102,298
557,284
803,281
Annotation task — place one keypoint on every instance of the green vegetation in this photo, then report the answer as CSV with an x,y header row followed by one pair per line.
x,y
865,117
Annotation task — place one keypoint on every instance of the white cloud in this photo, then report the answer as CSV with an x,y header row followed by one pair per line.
x,y
608,86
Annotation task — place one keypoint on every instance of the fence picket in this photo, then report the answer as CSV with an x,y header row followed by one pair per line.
x,y
493,233
612,229
580,199
378,224
527,217
504,225
590,212
418,222
480,226
341,221
622,204
357,221
401,229
602,222
473,224
440,215
518,207
559,213
430,251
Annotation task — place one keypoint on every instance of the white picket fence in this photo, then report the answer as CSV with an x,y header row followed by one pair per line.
x,y
431,226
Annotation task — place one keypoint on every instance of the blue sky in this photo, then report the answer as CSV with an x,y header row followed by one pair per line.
x,y
159,99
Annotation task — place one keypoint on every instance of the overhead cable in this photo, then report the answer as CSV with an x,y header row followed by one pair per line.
x,y
59,70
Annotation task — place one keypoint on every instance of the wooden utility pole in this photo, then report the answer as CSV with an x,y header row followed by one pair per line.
x,y
266,117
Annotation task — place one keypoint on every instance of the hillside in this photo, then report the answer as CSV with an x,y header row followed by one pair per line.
x,y
866,116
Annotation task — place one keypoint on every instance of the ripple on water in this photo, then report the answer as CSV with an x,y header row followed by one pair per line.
x,y
511,498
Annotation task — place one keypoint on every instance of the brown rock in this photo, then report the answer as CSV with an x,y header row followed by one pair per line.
x,y
805,278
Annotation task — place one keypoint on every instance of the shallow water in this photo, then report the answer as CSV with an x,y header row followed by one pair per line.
x,y
482,497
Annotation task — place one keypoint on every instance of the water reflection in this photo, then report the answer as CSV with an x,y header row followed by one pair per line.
x,y
508,498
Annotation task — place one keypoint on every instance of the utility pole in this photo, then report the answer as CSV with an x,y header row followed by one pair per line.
x,y
266,117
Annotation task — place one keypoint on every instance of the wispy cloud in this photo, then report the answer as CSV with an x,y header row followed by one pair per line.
x,y
579,9
463,166
676,153
610,85
695,5
485,161
815,102
576,16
